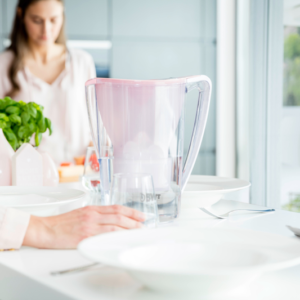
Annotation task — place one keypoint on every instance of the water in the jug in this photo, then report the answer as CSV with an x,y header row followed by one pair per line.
x,y
106,174
168,199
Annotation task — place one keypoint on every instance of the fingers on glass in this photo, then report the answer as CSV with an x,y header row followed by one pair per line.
x,y
119,220
136,191
121,210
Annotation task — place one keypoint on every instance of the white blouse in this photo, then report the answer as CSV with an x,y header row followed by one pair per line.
x,y
63,101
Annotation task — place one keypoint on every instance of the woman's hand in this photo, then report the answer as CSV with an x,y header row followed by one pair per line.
x,y
67,230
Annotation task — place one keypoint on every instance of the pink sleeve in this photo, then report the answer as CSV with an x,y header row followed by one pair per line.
x,y
13,226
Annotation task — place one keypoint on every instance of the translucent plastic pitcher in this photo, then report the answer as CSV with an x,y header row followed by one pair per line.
x,y
143,121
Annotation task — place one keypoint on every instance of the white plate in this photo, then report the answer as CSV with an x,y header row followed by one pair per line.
x,y
33,199
189,259
202,191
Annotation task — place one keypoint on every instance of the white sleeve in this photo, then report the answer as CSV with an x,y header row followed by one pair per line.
x,y
13,226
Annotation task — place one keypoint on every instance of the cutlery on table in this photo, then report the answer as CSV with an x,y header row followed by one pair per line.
x,y
74,270
295,230
226,215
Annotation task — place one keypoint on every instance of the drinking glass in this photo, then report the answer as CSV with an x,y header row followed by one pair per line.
x,y
91,174
136,190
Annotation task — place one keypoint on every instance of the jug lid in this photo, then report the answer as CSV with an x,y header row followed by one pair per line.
x,y
169,81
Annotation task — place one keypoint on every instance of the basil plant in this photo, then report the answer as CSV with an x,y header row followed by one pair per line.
x,y
20,121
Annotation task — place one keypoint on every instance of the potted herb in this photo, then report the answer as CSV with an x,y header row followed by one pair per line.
x,y
20,121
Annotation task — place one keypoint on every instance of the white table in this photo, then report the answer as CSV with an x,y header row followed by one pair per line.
x,y
25,274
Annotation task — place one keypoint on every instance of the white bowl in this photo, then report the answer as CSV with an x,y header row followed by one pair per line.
x,y
206,260
202,191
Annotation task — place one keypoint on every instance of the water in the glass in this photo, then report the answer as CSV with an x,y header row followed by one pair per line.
x,y
136,190
148,210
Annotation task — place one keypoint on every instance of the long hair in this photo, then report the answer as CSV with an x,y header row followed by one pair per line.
x,y
19,43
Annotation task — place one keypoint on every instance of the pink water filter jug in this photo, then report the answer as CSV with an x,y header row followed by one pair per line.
x,y
143,122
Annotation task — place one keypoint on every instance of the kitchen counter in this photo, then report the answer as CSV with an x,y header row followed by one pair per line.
x,y
25,274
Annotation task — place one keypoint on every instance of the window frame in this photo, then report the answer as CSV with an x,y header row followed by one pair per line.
x,y
262,81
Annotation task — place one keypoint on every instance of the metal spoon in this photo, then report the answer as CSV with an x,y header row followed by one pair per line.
x,y
226,215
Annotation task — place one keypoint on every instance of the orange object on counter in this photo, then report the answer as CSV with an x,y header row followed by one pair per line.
x,y
79,160
69,179
70,173
65,164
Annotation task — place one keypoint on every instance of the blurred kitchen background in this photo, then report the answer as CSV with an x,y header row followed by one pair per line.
x,y
141,39
249,48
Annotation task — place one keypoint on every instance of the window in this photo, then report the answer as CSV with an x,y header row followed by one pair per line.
x,y
290,120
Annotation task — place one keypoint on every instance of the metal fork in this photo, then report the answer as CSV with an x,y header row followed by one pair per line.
x,y
295,230
226,215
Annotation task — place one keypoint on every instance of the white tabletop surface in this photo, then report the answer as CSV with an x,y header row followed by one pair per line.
x,y
25,274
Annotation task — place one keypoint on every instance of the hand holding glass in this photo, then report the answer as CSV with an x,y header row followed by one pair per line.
x,y
136,190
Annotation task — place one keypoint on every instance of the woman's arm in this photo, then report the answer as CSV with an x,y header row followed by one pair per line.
x,y
67,230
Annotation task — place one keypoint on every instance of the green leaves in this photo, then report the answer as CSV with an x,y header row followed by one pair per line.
x,y
31,109
15,119
11,137
25,117
4,117
12,110
2,124
49,125
20,121
7,101
31,127
42,125
38,137
23,132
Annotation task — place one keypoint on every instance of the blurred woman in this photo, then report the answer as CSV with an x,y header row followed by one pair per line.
x,y
38,67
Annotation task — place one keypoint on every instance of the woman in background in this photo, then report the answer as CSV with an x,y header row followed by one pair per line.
x,y
38,67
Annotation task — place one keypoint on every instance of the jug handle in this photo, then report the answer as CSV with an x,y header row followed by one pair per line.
x,y
203,84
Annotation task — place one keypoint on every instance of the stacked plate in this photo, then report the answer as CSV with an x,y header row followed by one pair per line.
x,y
203,191
199,192
39,200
